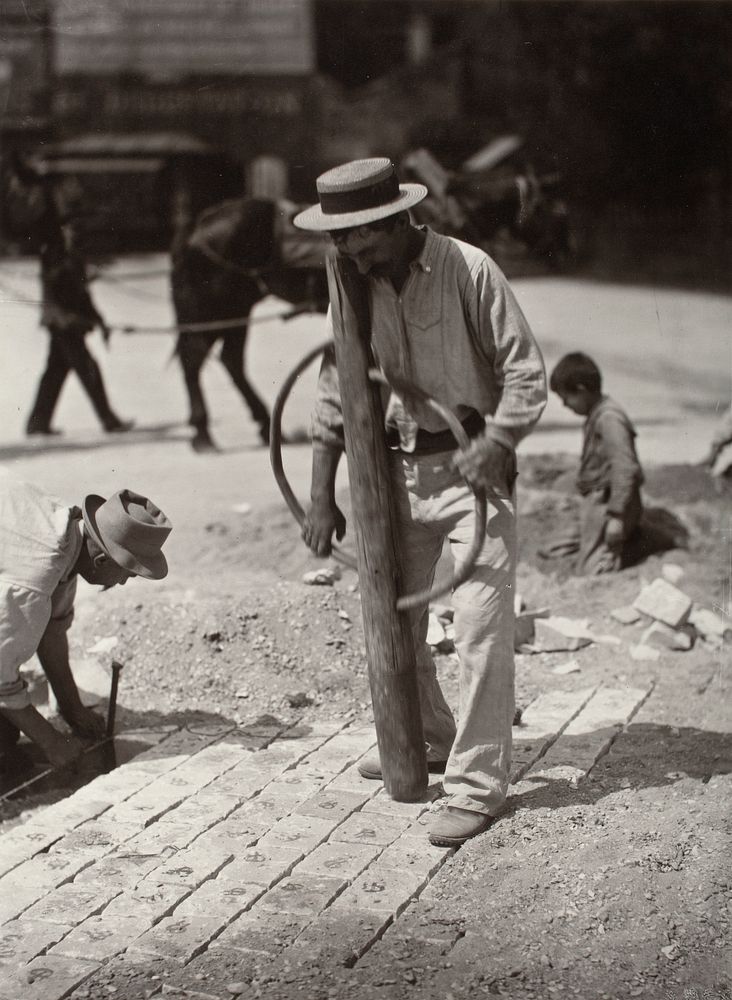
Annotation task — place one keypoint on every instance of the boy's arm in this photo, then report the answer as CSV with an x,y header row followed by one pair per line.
x,y
624,468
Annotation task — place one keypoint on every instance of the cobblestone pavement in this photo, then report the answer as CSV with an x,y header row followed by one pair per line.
x,y
217,852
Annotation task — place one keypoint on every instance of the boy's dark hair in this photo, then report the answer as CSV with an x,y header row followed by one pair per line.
x,y
574,370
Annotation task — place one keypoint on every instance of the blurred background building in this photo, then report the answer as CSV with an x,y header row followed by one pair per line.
x,y
169,105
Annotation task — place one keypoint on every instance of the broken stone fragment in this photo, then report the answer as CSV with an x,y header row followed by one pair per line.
x,y
709,625
435,631
664,602
324,577
626,615
672,572
448,643
643,652
662,636
569,667
443,612
524,630
552,640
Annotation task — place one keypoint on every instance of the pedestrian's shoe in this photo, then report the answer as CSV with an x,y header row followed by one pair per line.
x,y
453,826
119,426
33,429
371,768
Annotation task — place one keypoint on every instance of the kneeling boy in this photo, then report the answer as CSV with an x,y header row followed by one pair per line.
x,y
609,477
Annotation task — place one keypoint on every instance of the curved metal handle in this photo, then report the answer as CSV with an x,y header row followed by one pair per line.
x,y
275,455
275,446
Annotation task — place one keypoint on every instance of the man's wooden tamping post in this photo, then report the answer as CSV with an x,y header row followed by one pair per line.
x,y
389,644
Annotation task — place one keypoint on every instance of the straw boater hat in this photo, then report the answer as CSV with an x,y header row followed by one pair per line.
x,y
359,192
131,530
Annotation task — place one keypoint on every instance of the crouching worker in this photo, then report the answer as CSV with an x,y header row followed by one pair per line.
x,y
609,477
44,545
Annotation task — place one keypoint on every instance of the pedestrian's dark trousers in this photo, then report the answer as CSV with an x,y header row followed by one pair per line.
x,y
68,352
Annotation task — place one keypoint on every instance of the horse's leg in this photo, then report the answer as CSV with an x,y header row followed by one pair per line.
x,y
192,349
232,358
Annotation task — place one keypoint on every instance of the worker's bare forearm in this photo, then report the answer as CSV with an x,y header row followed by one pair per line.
x,y
53,652
57,748
324,471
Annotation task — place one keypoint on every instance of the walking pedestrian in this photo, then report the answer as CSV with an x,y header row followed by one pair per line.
x,y
69,314
444,318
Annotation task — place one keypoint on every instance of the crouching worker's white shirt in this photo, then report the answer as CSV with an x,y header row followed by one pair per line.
x,y
40,542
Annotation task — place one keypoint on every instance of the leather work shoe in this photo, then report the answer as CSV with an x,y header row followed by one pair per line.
x,y
371,768
453,826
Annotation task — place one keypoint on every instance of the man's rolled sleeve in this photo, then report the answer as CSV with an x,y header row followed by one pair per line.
x,y
326,425
518,363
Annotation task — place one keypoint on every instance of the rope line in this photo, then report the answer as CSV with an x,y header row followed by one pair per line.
x,y
221,324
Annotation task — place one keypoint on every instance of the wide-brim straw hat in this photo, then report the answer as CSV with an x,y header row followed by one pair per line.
x,y
359,192
131,530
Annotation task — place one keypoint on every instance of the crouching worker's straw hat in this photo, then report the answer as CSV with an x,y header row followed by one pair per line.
x,y
131,530
359,192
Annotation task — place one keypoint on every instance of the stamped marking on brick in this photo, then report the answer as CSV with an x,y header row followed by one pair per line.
x,y
100,938
332,803
383,889
178,938
46,978
23,940
303,832
345,860
96,837
70,903
370,828
126,870
260,865
150,903
221,899
190,867
302,893
162,838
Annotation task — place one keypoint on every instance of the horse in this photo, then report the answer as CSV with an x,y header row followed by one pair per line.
x,y
231,256
494,195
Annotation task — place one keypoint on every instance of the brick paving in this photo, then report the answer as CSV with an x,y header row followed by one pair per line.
x,y
218,851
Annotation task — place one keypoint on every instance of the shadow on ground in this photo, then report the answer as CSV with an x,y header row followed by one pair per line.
x,y
27,780
41,447
643,756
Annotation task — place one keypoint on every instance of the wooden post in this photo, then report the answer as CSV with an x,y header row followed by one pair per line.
x,y
389,644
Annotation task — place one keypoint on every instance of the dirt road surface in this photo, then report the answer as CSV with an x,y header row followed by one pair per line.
x,y
608,876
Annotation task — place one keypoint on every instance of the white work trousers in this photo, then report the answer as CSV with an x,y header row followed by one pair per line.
x,y
433,503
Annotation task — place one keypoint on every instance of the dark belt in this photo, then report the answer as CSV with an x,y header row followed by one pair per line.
x,y
429,444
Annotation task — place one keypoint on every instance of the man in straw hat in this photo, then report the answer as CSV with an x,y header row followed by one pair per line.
x,y
44,545
444,318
